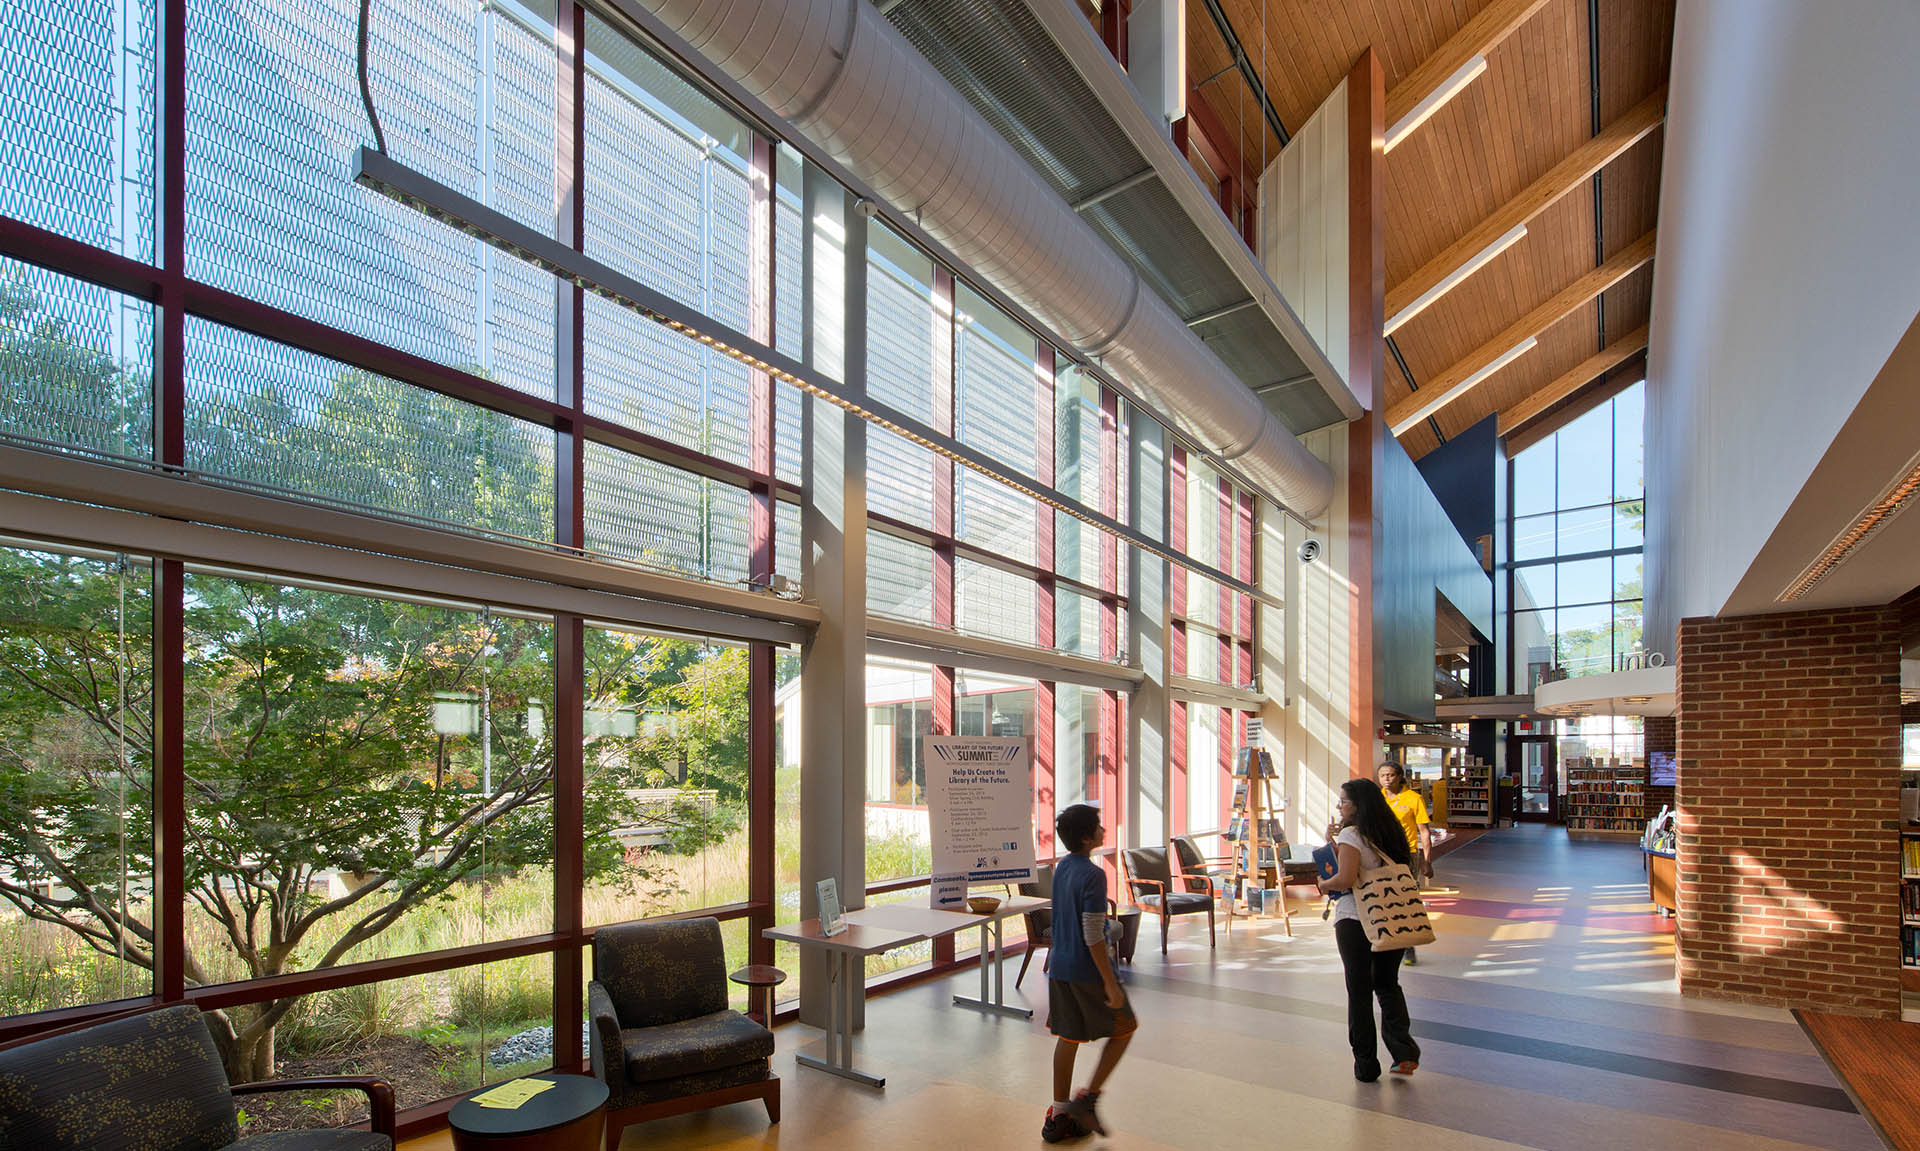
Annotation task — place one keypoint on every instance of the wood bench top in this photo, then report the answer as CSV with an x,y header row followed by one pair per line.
x,y
1878,1062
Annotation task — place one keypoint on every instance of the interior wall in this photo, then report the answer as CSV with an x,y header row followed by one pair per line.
x,y
1462,473
1789,748
1320,599
1789,267
1417,552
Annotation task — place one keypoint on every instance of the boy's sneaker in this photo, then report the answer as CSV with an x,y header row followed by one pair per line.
x,y
1082,1109
1061,1126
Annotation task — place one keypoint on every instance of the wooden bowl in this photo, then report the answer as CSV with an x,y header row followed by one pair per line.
x,y
982,904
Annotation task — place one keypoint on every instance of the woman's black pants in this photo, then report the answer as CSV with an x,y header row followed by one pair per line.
x,y
1372,974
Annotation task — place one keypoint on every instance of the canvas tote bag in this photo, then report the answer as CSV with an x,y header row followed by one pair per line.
x,y
1390,908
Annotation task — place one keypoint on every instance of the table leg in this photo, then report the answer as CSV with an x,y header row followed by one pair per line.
x,y
990,954
839,1060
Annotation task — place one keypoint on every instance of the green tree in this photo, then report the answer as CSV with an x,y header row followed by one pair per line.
x,y
327,734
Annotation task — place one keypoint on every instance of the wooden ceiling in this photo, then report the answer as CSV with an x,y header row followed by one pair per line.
x,y
1533,107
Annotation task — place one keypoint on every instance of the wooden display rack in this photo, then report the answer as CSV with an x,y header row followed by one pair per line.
x,y
1255,842
1470,794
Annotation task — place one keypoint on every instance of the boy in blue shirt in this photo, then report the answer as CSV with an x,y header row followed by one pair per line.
x,y
1084,998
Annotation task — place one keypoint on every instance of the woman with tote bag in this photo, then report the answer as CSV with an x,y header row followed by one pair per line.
x,y
1369,838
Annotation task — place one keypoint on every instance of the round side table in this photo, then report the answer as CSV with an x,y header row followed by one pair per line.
x,y
569,1116
760,980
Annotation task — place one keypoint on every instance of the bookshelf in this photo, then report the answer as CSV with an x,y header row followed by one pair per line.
x,y
1909,880
1255,841
1605,797
1470,794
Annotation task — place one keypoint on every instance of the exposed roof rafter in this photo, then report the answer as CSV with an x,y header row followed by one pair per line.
x,y
1459,379
1587,371
1479,36
1570,173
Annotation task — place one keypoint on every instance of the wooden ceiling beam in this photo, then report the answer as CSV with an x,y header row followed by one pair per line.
x,y
1570,173
1459,379
1589,370
1477,37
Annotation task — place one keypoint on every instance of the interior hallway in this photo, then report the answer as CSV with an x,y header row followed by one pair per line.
x,y
1547,1013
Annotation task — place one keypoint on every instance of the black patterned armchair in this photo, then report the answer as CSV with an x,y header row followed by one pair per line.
x,y
153,1081
664,1040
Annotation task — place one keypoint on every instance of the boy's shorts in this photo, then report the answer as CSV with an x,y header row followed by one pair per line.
x,y
1078,1012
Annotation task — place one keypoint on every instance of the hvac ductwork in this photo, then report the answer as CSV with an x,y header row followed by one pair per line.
x,y
837,71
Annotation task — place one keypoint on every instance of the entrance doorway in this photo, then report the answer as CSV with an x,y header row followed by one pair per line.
x,y
1539,779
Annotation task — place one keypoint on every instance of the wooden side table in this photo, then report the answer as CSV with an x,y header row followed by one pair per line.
x,y
569,1116
760,979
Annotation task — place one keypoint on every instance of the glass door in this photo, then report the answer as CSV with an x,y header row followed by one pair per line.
x,y
1539,790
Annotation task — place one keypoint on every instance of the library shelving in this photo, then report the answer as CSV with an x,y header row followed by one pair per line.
x,y
1909,880
1470,794
1605,797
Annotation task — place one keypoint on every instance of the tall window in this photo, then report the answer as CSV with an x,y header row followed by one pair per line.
x,y
1579,518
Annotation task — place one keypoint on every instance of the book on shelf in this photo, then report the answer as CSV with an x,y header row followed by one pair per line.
x,y
1243,761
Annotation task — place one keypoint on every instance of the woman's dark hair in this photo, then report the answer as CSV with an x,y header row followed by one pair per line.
x,y
1375,821
1076,825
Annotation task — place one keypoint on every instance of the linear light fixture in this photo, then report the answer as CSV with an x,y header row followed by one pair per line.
x,y
1513,236
1442,399
1435,100
1877,515
381,173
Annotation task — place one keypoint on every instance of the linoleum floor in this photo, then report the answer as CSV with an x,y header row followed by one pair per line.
x,y
1547,1013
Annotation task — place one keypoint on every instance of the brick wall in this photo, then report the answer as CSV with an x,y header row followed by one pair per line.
x,y
1788,741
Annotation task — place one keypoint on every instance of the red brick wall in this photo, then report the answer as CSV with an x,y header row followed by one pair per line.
x,y
1789,773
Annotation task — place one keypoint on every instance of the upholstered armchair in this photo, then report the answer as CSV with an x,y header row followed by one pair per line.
x,y
1151,885
664,1040
153,1081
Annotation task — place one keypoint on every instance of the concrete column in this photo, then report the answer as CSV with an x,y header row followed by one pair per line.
x,y
1150,774
833,567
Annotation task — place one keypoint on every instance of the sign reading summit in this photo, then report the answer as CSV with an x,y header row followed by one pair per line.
x,y
980,805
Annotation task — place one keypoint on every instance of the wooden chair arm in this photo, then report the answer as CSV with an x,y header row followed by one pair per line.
x,y
378,1091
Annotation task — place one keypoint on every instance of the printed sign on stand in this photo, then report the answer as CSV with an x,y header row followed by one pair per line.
x,y
980,804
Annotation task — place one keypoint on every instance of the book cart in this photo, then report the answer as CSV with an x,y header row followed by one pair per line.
x,y
1255,842
1470,793
1606,798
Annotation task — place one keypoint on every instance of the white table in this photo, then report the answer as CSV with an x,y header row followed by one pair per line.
x,y
931,924
858,941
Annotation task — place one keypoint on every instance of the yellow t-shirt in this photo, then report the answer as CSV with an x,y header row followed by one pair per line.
x,y
1412,812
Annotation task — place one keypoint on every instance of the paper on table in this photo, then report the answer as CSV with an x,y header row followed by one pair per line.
x,y
512,1093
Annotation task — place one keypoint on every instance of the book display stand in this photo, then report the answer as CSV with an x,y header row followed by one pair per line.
x,y
1605,797
1470,794
1255,842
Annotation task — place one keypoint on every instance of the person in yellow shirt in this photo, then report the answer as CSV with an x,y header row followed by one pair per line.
x,y
1411,810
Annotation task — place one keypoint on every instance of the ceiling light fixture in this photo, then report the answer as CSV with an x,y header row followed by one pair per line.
x,y
1435,100
381,173
1513,236
1893,498
1442,399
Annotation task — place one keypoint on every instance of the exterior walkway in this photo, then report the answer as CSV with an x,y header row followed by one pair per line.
x,y
1547,1013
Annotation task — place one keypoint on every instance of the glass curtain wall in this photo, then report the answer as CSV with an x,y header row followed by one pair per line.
x,y
1579,518
439,792
357,778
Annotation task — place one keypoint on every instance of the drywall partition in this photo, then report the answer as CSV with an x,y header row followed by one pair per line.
x,y
1789,268
840,74
1303,217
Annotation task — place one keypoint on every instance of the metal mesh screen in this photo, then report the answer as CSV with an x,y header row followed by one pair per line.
x,y
640,510
994,516
269,414
786,540
669,200
273,113
899,578
900,324
899,478
1076,623
995,383
76,362
76,119
993,603
1076,469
